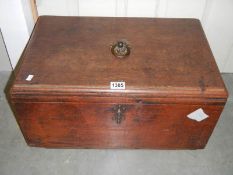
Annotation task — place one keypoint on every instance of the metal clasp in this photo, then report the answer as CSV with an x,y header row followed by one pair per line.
x,y
119,113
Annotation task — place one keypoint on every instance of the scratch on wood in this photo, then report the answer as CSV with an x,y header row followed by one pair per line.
x,y
202,84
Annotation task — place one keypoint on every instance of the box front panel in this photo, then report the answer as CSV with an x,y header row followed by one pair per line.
x,y
105,125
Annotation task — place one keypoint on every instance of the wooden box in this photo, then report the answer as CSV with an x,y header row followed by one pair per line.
x,y
88,82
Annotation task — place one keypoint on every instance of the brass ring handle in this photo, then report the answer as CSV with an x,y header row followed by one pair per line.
x,y
120,49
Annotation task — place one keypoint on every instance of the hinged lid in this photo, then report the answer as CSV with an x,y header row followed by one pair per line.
x,y
76,55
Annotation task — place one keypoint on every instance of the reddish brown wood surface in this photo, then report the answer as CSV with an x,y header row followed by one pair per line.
x,y
170,73
168,57
161,126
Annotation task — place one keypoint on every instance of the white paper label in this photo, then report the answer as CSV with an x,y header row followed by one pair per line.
x,y
115,85
198,115
29,77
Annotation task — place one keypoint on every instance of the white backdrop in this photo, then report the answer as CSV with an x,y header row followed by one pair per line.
x,y
216,17
16,24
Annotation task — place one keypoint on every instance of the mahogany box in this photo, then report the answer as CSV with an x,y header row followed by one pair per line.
x,y
102,82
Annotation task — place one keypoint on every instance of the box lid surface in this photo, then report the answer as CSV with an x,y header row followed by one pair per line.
x,y
168,56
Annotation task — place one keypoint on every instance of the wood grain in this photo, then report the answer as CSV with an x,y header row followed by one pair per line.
x,y
171,54
74,125
170,73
